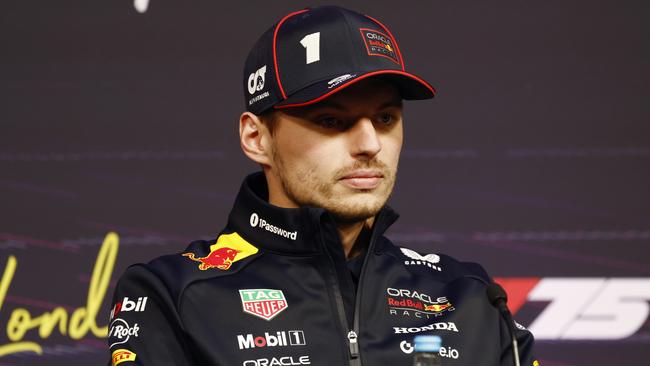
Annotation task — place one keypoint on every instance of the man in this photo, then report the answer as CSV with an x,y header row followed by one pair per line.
x,y
302,274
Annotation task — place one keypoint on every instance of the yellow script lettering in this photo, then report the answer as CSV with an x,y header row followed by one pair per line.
x,y
81,321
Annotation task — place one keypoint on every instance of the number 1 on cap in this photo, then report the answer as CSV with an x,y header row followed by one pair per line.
x,y
311,42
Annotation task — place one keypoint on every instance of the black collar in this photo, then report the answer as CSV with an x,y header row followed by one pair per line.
x,y
286,230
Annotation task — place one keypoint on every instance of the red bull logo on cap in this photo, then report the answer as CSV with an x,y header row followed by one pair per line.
x,y
228,249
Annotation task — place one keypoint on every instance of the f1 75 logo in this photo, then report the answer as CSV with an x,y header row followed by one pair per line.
x,y
583,308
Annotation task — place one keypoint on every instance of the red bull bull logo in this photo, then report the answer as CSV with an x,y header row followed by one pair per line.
x,y
228,249
437,307
221,258
416,304
379,44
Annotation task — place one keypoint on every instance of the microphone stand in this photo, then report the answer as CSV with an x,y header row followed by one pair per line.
x,y
498,298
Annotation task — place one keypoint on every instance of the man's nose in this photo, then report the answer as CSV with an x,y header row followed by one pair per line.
x,y
364,138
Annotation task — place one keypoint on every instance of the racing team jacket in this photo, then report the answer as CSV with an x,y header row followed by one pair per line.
x,y
274,288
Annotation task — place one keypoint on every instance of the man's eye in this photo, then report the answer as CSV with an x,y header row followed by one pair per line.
x,y
386,118
329,122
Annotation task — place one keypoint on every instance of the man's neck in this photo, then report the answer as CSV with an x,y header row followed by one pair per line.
x,y
355,236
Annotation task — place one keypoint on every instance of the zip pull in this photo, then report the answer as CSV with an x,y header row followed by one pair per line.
x,y
354,346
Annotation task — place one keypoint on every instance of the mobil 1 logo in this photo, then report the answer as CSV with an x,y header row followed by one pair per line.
x,y
126,305
279,339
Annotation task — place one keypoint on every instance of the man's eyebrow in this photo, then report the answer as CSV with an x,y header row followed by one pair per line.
x,y
392,103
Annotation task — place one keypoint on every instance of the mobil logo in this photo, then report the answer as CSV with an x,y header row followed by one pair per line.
x,y
279,339
263,303
128,305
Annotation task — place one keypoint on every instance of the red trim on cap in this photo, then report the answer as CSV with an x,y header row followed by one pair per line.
x,y
353,81
399,53
275,55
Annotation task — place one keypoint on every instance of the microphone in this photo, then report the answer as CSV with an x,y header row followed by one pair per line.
x,y
498,298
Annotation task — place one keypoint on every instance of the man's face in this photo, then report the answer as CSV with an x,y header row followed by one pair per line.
x,y
340,154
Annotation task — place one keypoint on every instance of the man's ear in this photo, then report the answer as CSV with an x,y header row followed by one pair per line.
x,y
255,138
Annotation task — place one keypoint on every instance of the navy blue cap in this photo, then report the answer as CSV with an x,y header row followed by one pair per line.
x,y
313,53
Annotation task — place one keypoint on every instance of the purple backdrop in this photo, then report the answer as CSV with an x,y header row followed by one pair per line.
x,y
533,159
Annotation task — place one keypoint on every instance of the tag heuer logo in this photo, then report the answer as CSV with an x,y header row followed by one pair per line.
x,y
264,303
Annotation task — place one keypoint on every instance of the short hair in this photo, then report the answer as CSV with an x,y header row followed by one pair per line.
x,y
269,118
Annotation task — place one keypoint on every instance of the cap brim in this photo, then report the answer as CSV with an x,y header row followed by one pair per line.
x,y
410,87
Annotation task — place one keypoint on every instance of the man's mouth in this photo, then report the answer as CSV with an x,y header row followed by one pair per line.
x,y
363,179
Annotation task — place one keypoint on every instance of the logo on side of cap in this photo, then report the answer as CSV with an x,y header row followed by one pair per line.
x,y
379,44
339,79
256,80
255,84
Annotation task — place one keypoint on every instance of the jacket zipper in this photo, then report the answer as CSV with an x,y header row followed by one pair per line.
x,y
357,299
351,337
354,346
353,334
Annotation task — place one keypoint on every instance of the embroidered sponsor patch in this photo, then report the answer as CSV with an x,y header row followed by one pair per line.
x,y
263,303
228,249
448,326
122,355
447,352
121,332
256,221
127,305
379,44
339,79
280,338
410,303
428,260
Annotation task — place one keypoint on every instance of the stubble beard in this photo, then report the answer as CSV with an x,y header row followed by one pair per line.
x,y
305,188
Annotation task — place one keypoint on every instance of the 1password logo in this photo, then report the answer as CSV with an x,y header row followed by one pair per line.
x,y
256,221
